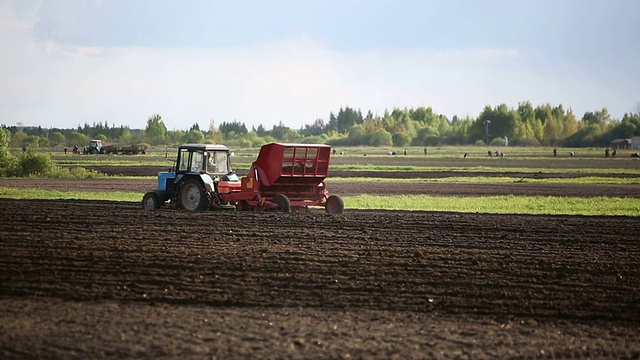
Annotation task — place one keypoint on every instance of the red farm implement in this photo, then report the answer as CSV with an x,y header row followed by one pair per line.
x,y
287,176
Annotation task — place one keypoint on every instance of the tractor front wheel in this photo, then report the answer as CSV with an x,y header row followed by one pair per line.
x,y
151,201
334,205
193,196
283,203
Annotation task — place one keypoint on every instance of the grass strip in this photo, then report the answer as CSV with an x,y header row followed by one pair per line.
x,y
403,168
508,204
42,194
499,179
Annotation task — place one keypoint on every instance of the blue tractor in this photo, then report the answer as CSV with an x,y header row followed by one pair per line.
x,y
201,176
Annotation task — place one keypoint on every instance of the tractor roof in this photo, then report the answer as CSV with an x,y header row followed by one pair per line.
x,y
207,147
300,145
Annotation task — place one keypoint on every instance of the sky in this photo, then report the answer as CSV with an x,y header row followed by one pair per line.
x,y
64,63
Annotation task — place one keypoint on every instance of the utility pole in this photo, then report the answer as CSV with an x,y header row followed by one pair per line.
x,y
486,131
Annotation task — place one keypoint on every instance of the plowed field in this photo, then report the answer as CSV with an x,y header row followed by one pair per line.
x,y
355,187
82,279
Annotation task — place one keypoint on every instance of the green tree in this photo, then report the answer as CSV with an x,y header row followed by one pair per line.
x,y
552,131
346,118
460,131
628,127
156,131
422,135
77,139
7,160
236,127
126,137
279,131
317,128
526,111
400,139
502,122
56,138
19,139
357,135
600,117
570,124
381,138
193,137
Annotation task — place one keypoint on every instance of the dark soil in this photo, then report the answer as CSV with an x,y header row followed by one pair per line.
x,y
89,279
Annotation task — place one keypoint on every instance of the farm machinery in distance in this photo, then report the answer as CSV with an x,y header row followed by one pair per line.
x,y
284,177
96,147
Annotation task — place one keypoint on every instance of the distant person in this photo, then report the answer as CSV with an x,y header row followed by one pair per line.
x,y
489,152
24,148
405,151
606,152
571,154
614,153
426,151
65,150
555,152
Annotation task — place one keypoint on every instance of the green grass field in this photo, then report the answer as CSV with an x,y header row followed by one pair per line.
x,y
484,204
501,179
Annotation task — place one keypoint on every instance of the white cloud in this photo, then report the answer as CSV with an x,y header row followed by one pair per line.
x,y
294,81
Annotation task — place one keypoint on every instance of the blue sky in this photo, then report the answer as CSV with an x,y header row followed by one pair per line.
x,y
67,62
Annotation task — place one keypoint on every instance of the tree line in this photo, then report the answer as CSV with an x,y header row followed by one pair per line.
x,y
524,125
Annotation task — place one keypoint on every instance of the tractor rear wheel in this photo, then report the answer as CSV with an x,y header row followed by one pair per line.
x,y
193,196
334,205
151,201
283,203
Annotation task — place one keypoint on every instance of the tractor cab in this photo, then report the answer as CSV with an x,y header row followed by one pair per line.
x,y
95,146
209,159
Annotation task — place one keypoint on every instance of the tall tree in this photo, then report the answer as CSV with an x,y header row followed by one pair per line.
x,y
348,117
56,138
600,117
552,131
234,127
317,128
156,131
7,160
570,124
193,136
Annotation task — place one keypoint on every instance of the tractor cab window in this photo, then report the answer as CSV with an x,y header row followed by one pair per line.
x,y
218,162
196,161
184,160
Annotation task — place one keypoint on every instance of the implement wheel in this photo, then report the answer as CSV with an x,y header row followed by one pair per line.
x,y
193,197
334,205
283,203
242,205
151,201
